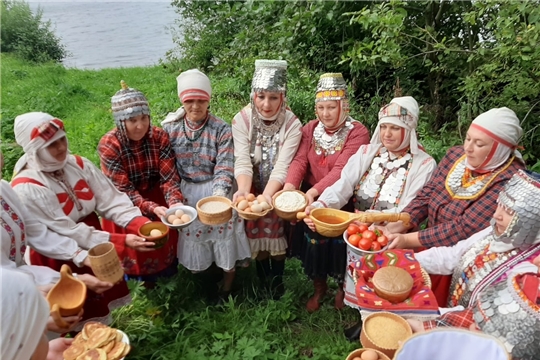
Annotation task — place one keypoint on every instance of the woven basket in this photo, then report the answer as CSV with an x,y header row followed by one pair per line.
x,y
159,241
209,218
288,215
425,276
368,340
358,353
105,263
250,215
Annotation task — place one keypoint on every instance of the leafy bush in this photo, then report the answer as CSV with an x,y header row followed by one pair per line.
x,y
27,35
457,58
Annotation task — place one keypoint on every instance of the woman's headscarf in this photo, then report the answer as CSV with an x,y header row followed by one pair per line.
x,y
192,85
501,125
332,87
24,315
403,112
35,131
270,75
126,104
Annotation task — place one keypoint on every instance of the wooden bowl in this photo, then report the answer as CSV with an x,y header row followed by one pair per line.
x,y
214,218
248,215
383,330
358,353
161,240
67,297
288,215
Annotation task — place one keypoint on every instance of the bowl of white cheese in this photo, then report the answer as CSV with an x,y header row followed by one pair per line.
x,y
287,203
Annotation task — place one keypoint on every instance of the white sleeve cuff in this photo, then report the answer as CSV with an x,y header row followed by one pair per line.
x,y
79,258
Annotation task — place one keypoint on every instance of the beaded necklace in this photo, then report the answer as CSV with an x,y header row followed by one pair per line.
x,y
198,132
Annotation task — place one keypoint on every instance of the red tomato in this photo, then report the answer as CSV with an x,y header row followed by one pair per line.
x,y
352,229
354,239
383,240
370,235
365,244
375,246
362,228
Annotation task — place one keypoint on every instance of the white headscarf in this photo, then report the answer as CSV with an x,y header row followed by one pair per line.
x,y
24,315
35,131
501,125
403,112
193,85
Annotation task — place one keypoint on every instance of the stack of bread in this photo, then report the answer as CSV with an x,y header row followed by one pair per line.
x,y
97,342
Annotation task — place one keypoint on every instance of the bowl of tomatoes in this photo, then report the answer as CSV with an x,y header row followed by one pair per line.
x,y
363,241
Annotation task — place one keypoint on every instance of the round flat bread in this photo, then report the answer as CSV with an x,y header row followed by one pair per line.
x,y
74,351
93,354
117,351
99,338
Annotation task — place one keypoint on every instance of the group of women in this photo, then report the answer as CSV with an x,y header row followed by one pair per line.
x,y
146,169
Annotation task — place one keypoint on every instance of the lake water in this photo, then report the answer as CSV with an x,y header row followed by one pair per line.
x,y
111,34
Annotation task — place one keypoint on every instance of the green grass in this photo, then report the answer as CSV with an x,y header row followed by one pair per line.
x,y
171,321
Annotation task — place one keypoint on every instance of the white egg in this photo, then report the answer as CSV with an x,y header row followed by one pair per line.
x,y
256,208
178,221
179,213
171,218
186,218
155,233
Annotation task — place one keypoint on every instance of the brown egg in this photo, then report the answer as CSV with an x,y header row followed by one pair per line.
x,y
250,197
240,198
185,218
179,213
369,355
171,218
248,210
178,221
155,233
261,198
256,208
242,205
357,358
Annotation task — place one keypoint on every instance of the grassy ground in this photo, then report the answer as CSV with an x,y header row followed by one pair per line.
x,y
171,321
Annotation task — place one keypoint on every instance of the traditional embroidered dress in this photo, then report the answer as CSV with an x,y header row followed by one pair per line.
x,y
454,209
265,152
204,159
318,164
145,170
50,200
487,268
20,229
376,179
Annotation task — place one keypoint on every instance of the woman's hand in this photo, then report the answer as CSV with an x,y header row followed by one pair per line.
x,y
70,320
138,243
311,195
57,348
160,211
288,187
94,284
239,193
403,241
308,220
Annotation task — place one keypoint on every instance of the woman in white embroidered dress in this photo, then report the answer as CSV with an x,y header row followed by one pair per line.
x,y
266,136
20,229
64,192
203,147
384,175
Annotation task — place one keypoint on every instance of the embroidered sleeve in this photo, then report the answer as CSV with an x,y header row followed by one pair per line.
x,y
113,168
299,165
419,207
287,150
223,171
357,137
475,217
169,178
242,159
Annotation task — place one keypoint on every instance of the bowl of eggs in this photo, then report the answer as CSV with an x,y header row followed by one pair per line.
x,y
156,232
251,207
367,354
179,216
